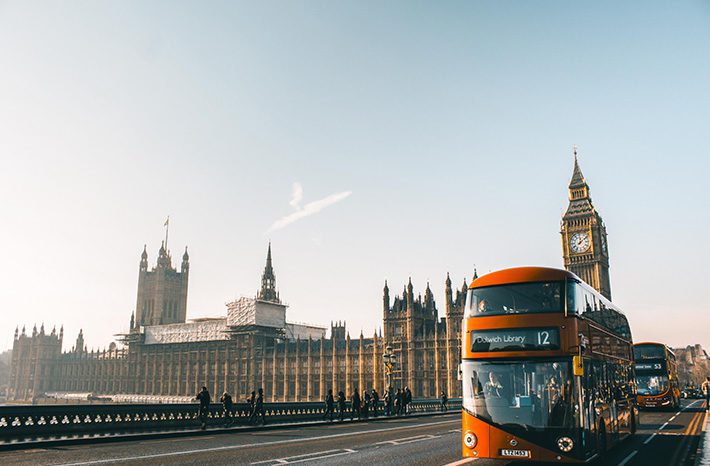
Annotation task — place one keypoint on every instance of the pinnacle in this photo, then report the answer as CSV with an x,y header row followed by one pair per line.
x,y
577,180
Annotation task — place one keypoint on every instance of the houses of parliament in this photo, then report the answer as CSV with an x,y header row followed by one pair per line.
x,y
165,355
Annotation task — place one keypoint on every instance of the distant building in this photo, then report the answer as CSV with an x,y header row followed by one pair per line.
x,y
252,346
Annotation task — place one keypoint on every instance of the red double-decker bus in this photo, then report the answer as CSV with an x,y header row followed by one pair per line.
x,y
656,376
547,367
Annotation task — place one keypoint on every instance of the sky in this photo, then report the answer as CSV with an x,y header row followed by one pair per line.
x,y
368,141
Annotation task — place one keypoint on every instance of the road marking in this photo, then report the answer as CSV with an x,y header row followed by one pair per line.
x,y
239,447
649,439
682,450
458,431
463,461
308,457
628,458
664,425
403,441
669,420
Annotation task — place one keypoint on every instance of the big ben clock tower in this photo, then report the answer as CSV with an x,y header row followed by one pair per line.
x,y
584,236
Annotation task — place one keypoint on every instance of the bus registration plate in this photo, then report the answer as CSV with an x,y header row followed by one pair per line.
x,y
515,453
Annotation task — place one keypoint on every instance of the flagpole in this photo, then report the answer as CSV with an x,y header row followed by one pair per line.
x,y
167,227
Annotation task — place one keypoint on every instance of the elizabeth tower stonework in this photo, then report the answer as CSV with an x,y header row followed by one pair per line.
x,y
584,245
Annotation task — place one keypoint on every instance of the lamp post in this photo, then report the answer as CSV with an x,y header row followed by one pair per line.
x,y
390,360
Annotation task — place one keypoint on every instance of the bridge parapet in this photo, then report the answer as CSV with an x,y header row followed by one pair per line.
x,y
26,422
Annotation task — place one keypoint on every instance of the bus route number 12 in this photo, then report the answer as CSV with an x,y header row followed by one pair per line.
x,y
543,338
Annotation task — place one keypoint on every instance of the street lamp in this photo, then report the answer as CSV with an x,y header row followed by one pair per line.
x,y
390,360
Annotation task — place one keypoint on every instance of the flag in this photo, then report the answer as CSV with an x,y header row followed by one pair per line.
x,y
167,220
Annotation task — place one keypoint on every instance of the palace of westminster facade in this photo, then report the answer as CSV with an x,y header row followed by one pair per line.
x,y
253,346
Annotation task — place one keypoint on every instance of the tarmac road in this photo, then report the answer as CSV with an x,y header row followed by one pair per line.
x,y
665,438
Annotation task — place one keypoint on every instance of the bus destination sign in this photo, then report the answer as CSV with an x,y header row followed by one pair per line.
x,y
515,339
656,366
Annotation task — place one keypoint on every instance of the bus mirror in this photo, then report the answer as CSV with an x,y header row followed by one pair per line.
x,y
578,366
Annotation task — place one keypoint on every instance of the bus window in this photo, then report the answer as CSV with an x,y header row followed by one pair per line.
x,y
524,394
516,298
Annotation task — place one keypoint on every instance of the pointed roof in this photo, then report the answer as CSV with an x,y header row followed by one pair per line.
x,y
580,202
269,267
577,180
268,281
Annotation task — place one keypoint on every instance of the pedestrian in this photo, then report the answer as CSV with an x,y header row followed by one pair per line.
x,y
258,409
355,400
251,401
204,399
375,401
227,406
329,405
398,402
341,404
389,401
705,387
407,399
366,401
444,400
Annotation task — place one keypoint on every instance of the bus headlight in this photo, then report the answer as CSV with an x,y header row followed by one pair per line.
x,y
565,444
470,439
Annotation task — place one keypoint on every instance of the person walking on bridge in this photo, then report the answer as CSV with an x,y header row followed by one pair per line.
x,y
341,404
706,391
329,405
251,401
204,399
258,409
398,400
444,400
375,401
355,399
407,399
227,406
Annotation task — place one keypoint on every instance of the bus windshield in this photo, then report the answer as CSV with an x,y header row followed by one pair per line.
x,y
651,384
519,394
642,352
517,298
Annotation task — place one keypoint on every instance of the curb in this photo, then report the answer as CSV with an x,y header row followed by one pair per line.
x,y
703,434
109,438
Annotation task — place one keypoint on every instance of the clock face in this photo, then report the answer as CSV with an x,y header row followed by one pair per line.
x,y
579,242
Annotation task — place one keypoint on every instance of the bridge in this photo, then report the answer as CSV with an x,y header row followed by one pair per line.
x,y
294,433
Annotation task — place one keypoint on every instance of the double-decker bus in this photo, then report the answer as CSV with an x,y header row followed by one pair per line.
x,y
547,367
656,376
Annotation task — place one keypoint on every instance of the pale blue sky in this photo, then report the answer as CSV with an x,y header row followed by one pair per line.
x,y
450,122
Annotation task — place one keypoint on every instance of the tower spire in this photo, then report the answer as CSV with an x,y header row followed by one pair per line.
x,y
577,180
268,281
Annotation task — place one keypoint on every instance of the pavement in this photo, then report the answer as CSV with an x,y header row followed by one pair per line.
x,y
664,438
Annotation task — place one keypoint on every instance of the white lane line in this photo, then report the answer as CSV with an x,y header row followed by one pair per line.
x,y
347,452
308,457
463,461
258,444
650,438
403,441
664,425
669,420
458,431
628,458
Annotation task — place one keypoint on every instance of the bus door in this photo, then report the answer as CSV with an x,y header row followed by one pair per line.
x,y
589,414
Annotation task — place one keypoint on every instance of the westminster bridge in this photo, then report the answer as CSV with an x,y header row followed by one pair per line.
x,y
293,433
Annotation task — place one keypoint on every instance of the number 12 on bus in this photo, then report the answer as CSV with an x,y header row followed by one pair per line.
x,y
547,368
